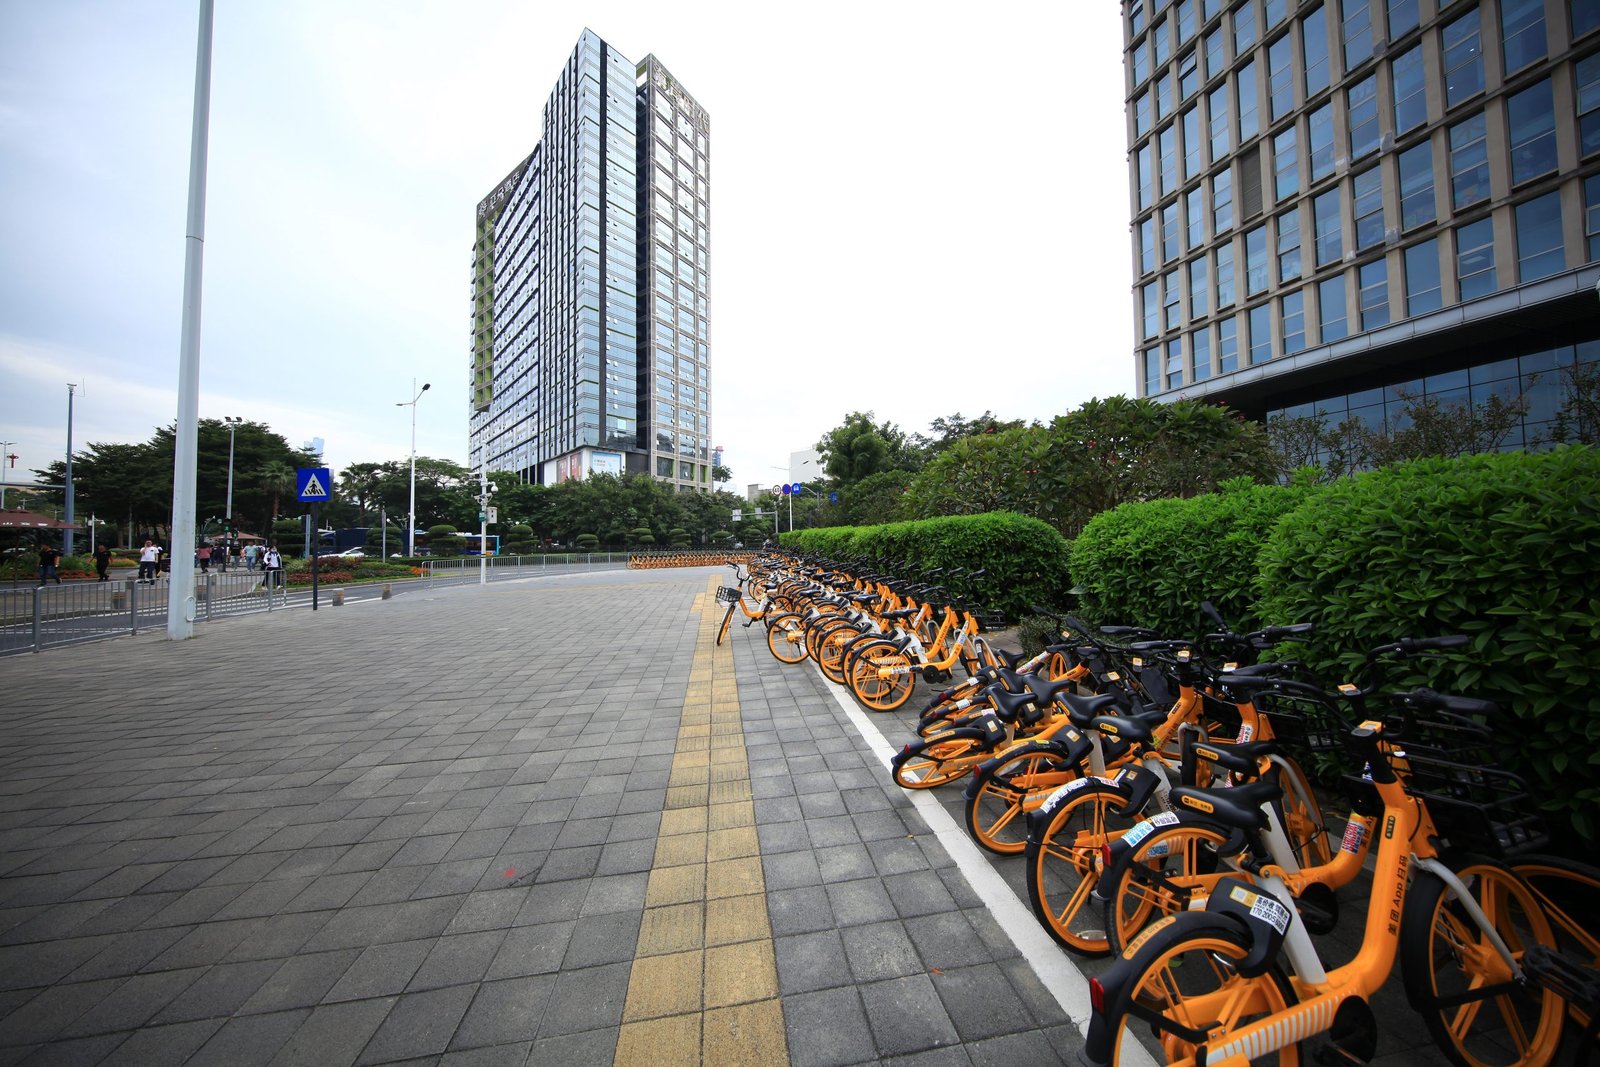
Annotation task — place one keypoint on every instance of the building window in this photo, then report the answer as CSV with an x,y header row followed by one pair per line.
x,y
1200,341
1150,301
1147,246
1169,232
1374,282
1330,230
1175,363
1402,18
1276,9
1286,164
1522,32
1288,246
1194,208
1222,201
1146,190
1172,310
1215,61
1168,141
1591,217
1335,321
1188,75
1255,261
1161,40
1163,85
1293,323
1362,113
1586,73
1199,291
1227,345
1416,185
1357,33
1410,102
1191,143
1152,371
1135,17
1185,20
1539,251
1248,124
1217,109
1314,42
1260,334
1368,189
1244,27
1422,278
1141,114
1250,182
1280,76
1533,132
1463,59
1319,142
1469,162
1141,63
1475,259
1225,294
1585,17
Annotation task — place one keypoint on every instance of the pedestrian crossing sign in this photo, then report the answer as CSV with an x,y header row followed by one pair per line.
x,y
312,483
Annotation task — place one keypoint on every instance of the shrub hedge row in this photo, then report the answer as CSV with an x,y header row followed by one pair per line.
x,y
1026,559
1501,547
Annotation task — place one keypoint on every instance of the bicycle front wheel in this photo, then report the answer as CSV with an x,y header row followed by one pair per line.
x,y
786,638
881,677
1478,1013
1167,868
1569,893
997,812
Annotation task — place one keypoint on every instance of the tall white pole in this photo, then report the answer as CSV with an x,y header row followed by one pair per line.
x,y
180,592
66,535
5,461
411,512
483,524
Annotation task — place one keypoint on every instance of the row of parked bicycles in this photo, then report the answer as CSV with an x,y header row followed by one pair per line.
x,y
1156,790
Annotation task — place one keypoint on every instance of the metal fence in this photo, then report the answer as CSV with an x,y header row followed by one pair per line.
x,y
34,619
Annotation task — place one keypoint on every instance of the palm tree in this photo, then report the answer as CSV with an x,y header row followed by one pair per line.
x,y
277,478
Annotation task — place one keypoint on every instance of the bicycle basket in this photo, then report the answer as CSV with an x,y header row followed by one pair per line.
x,y
1302,721
727,594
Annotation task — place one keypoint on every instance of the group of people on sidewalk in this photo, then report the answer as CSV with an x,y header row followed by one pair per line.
x,y
151,557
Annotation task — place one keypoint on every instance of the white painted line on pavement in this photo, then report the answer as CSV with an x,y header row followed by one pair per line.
x,y
1049,961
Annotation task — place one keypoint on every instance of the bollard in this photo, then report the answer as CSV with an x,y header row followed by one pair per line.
x,y
386,591
338,597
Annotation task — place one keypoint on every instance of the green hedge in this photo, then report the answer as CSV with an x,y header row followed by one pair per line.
x,y
1151,563
1026,559
1501,547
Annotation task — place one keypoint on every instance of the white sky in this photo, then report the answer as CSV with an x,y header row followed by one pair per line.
x,y
912,213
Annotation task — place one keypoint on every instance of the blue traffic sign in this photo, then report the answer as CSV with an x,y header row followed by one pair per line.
x,y
787,489
833,498
313,484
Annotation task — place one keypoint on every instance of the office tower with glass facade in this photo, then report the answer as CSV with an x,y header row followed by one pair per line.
x,y
590,279
1341,203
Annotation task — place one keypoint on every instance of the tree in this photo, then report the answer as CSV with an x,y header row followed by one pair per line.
x,y
276,478
857,448
1419,426
443,540
1578,419
948,429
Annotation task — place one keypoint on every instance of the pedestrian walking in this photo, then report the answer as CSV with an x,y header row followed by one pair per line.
x,y
102,562
250,554
48,558
272,563
149,562
204,555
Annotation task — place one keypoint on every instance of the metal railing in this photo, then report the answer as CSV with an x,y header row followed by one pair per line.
x,y
33,619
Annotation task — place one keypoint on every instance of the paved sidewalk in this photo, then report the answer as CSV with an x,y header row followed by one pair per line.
x,y
494,825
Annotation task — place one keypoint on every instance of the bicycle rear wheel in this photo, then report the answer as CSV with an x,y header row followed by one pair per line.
x,y
1569,892
881,677
1478,1014
997,812
1167,867
1064,863
786,638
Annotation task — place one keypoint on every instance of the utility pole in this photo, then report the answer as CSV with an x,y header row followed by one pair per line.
x,y
6,459
66,535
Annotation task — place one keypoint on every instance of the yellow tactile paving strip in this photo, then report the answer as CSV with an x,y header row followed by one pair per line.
x,y
704,984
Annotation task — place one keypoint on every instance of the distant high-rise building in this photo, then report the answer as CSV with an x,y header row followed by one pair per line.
x,y
1341,203
590,318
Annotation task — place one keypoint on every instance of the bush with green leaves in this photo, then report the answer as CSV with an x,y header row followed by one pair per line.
x,y
1152,563
1500,547
1026,559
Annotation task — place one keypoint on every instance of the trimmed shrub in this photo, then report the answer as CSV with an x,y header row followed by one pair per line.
x,y
1026,559
1151,563
1499,547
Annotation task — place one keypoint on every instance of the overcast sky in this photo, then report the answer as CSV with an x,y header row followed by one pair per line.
x,y
911,213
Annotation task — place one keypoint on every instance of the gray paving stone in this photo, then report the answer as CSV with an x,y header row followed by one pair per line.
x,y
787,870
906,1015
827,1029
219,992
918,893
39,1015
334,1033
880,950
799,911
981,1002
458,959
419,1024
505,1013
248,1041
380,971
1031,1047
863,901
946,941
586,1000
301,981
590,1046
133,1003
808,962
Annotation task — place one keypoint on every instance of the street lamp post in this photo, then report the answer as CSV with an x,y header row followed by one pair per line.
x,y
233,422
411,513
5,461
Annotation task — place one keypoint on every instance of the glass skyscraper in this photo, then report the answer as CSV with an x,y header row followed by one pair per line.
x,y
590,336
1340,203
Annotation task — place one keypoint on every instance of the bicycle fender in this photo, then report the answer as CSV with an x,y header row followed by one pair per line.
x,y
1122,848
1138,783
972,733
1039,820
1264,917
1119,980
982,772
